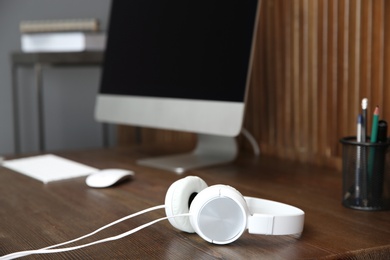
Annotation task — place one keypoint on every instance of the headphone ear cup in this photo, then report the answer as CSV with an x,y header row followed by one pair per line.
x,y
178,200
219,214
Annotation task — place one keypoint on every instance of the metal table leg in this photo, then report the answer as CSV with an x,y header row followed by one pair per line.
x,y
17,148
39,89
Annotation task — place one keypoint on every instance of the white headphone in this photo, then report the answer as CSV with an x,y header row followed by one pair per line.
x,y
220,214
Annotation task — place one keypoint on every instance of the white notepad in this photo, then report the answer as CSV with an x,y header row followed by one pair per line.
x,y
49,167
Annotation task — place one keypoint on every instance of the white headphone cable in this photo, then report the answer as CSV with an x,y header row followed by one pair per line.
x,y
48,250
108,225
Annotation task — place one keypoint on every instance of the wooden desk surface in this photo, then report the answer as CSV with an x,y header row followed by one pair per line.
x,y
34,215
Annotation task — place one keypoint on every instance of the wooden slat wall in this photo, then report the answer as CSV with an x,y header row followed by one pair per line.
x,y
314,62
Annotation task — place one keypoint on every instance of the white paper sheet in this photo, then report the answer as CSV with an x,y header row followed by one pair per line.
x,y
49,167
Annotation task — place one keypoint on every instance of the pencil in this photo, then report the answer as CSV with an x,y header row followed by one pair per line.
x,y
373,139
374,129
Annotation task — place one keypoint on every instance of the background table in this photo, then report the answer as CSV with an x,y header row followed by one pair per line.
x,y
38,61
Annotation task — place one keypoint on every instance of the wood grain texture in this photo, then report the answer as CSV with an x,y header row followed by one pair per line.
x,y
333,54
314,62
35,215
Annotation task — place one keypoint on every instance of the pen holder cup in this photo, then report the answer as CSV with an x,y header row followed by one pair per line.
x,y
366,174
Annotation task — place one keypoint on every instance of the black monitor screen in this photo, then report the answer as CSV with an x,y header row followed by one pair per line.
x,y
191,49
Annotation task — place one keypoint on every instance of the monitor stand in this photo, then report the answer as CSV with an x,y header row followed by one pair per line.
x,y
210,150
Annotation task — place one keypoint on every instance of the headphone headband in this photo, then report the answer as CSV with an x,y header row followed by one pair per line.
x,y
269,217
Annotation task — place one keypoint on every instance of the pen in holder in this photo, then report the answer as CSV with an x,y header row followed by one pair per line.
x,y
366,174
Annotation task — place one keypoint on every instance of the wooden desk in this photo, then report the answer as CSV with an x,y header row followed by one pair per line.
x,y
34,215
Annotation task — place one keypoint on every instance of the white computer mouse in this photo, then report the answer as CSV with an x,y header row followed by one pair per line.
x,y
108,177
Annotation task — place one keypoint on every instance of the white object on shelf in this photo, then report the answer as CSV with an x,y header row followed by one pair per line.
x,y
63,42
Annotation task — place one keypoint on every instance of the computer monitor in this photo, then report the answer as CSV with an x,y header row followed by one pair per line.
x,y
180,65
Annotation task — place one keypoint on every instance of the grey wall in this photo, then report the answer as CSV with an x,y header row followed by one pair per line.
x,y
69,93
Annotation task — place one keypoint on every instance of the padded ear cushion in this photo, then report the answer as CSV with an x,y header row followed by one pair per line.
x,y
177,201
